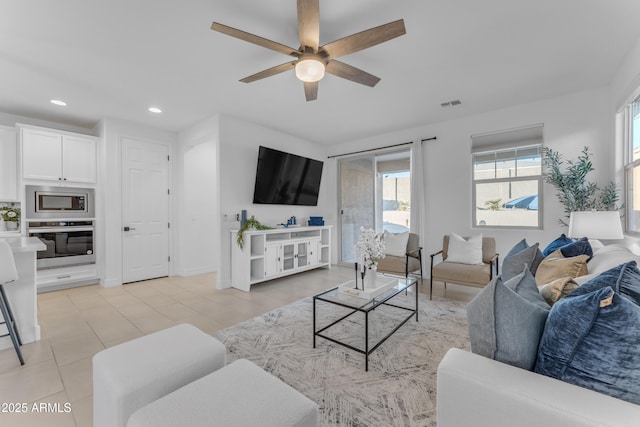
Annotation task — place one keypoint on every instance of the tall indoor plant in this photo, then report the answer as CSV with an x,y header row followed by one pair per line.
x,y
573,189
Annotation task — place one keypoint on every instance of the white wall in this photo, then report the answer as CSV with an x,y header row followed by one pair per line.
x,y
570,123
238,154
109,193
198,208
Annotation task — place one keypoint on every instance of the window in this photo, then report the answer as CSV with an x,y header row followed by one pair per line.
x,y
507,179
632,164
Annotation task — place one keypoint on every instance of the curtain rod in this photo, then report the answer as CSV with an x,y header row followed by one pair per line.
x,y
380,148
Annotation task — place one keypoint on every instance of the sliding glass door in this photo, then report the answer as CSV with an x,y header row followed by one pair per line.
x,y
357,201
375,192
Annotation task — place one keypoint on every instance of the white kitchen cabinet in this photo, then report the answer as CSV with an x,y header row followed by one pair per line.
x,y
8,165
50,155
269,254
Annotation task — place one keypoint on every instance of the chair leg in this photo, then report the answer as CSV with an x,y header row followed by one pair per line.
x,y
4,308
13,319
430,287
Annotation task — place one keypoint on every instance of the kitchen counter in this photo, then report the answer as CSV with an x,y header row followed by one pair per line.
x,y
22,293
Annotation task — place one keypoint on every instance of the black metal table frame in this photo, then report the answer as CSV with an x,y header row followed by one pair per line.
x,y
375,303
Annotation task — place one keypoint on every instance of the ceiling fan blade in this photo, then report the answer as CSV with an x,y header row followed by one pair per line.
x,y
352,73
365,39
270,72
309,23
251,38
311,90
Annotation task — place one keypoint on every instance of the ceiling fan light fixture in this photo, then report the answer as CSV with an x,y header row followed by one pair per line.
x,y
310,69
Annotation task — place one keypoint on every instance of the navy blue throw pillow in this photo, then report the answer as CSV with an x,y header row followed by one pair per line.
x,y
579,247
593,341
556,244
623,279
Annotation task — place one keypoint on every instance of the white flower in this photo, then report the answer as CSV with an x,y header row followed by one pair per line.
x,y
371,247
12,214
3,212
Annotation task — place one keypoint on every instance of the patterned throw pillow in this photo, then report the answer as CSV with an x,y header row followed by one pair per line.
x,y
506,320
593,341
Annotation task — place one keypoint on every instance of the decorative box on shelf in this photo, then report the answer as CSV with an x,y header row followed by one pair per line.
x,y
382,284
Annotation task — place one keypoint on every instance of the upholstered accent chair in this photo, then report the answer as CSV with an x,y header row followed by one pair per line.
x,y
403,265
477,275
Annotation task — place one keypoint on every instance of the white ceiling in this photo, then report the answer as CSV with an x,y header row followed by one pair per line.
x,y
115,58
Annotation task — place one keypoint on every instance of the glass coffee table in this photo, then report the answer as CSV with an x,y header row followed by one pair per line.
x,y
355,305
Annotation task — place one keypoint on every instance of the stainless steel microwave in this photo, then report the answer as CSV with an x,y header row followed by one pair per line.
x,y
59,202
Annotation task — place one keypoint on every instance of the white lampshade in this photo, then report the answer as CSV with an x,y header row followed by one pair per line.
x,y
595,225
309,69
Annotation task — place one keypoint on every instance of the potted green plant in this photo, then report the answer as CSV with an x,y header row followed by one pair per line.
x,y
250,224
572,188
11,217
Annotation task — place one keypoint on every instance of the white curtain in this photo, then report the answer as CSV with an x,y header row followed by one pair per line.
x,y
418,207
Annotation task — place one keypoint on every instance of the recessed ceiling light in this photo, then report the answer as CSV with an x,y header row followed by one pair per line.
x,y
155,110
58,102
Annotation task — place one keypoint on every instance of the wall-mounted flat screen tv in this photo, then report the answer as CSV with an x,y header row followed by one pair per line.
x,y
286,179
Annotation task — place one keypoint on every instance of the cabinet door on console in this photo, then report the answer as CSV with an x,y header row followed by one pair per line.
x,y
272,259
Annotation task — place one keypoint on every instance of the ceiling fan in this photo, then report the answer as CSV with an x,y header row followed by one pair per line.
x,y
312,60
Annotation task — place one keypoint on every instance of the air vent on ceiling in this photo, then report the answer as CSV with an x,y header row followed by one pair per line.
x,y
453,103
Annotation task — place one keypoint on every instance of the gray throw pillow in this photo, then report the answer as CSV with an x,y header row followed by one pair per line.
x,y
506,320
513,264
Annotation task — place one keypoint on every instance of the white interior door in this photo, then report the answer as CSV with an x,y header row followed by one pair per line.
x,y
145,210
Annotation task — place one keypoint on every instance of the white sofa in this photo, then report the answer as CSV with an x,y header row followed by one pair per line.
x,y
477,391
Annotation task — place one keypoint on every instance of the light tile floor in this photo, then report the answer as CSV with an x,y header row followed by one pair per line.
x,y
54,387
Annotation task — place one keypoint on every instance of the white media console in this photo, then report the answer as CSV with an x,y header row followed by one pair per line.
x,y
269,254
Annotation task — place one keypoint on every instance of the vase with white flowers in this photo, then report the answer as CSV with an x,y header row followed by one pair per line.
x,y
11,217
371,249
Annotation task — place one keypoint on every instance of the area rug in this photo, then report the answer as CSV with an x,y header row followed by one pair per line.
x,y
400,387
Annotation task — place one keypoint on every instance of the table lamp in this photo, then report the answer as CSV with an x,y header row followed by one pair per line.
x,y
595,225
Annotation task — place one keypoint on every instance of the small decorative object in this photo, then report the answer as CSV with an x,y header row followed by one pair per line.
x,y
11,217
371,248
572,188
250,224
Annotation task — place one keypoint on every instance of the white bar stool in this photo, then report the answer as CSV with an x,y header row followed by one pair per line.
x,y
8,273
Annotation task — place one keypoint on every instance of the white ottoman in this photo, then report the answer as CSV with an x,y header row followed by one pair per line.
x,y
239,395
131,375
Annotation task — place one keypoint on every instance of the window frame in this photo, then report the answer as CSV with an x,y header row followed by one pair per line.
x,y
474,182
629,163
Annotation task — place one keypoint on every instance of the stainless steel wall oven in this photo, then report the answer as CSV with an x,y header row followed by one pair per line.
x,y
68,243
63,219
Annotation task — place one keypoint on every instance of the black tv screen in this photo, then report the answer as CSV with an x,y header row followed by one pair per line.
x,y
286,179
